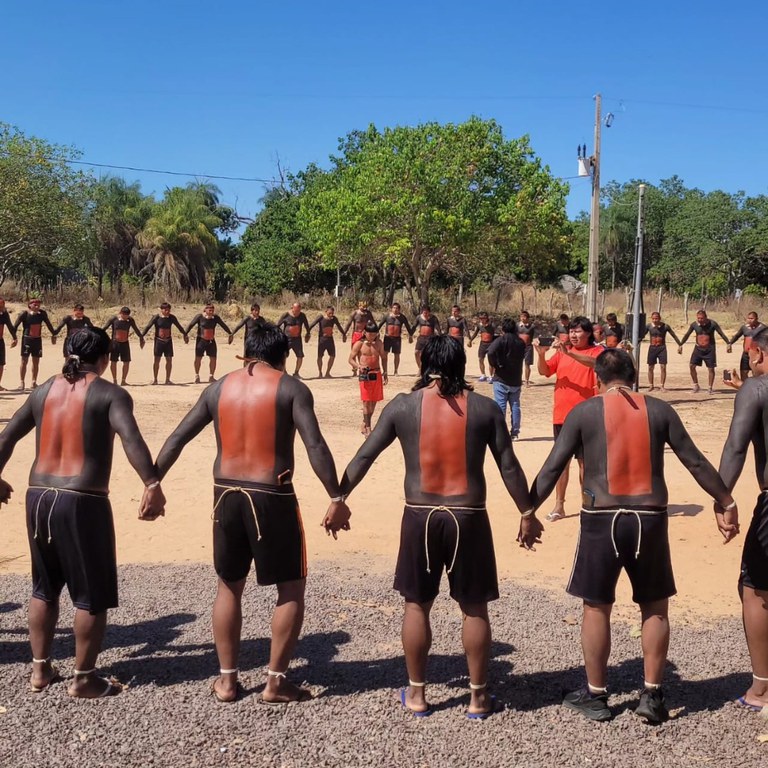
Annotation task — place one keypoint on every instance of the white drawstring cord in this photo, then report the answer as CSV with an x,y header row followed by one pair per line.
x,y
622,511
238,489
442,508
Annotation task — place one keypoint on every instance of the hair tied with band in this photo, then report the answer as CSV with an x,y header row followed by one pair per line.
x,y
76,358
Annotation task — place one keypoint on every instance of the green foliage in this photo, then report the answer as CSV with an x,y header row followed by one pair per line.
x,y
456,199
43,207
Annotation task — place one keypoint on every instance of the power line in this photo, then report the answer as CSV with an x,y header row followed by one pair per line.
x,y
683,105
172,173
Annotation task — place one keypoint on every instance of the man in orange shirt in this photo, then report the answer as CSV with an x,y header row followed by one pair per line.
x,y
575,382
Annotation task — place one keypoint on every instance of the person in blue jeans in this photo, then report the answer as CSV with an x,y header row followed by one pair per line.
x,y
506,355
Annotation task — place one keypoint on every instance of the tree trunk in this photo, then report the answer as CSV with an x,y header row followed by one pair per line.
x,y
658,303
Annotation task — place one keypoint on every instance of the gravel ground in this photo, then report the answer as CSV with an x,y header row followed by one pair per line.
x,y
159,641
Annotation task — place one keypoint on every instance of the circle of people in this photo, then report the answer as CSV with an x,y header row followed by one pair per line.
x,y
617,435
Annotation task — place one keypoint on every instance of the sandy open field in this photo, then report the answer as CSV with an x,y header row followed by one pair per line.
x,y
706,570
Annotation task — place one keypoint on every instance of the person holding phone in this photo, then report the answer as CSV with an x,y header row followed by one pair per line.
x,y
369,359
256,412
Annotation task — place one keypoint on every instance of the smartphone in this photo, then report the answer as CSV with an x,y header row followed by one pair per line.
x,y
546,341
726,376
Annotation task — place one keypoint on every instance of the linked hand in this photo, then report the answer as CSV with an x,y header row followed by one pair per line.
x,y
14,342
530,532
336,518
727,522
152,504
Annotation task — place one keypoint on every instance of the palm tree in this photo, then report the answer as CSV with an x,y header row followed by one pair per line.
x,y
179,242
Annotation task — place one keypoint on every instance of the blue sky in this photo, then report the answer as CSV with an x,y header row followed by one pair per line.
x,y
229,88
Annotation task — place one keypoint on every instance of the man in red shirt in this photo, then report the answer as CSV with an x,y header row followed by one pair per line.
x,y
575,382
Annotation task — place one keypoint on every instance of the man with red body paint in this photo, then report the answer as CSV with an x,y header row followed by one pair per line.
x,y
621,435
69,520
445,522
256,412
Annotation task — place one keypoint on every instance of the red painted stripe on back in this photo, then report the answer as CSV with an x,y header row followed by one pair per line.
x,y
443,444
628,442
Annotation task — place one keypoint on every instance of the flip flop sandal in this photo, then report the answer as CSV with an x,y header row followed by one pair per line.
x,y
55,676
744,704
415,712
496,706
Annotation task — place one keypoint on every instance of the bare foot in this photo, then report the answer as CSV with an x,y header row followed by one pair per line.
x,y
328,376
283,692
696,388
123,383
651,389
197,379
211,379
168,381
414,699
155,381
92,687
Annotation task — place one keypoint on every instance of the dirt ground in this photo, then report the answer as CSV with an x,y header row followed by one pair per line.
x,y
706,570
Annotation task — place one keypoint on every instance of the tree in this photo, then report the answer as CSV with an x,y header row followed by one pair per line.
x,y
119,212
42,208
436,198
178,241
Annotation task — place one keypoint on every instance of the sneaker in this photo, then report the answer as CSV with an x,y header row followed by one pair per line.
x,y
482,378
592,706
514,435
651,707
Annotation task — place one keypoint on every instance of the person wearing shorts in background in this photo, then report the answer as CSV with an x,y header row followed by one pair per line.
x,y
325,342
291,323
256,412
486,330
526,330
704,352
5,322
657,332
369,359
623,524
456,325
75,416
74,322
254,320
573,368
393,325
163,324
751,327
444,431
205,343
31,322
562,332
424,328
121,325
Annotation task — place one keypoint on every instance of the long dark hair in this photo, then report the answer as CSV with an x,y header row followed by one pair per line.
x,y
443,359
86,345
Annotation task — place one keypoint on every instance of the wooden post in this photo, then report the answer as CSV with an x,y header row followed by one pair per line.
x,y
658,303
685,307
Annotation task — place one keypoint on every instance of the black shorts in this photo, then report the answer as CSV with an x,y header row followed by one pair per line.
x,y
657,353
754,558
326,344
296,346
528,359
31,346
203,347
596,566
280,554
120,350
482,350
472,579
2,352
421,342
163,348
704,355
393,344
74,545
744,362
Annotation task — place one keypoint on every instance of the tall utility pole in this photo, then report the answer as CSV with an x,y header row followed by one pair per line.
x,y
593,265
637,304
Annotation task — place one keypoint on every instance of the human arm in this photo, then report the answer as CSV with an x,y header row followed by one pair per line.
x,y
746,415
542,366
238,326
175,321
223,325
355,353
382,436
192,323
587,360
562,452
736,336
123,422
719,331
149,325
438,330
674,336
58,329
19,320
315,322
22,423
320,458
338,325
109,323
190,426
687,334
47,322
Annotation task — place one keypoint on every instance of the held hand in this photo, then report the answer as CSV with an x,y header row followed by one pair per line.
x,y
680,350
336,518
231,338
186,339
729,349
410,339
14,342
469,342
141,343
343,339
5,492
152,504
307,337
727,522
53,339
530,532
